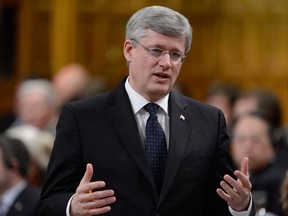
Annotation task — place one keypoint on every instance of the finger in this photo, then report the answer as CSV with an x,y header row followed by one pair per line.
x,y
244,166
243,179
91,209
98,203
227,188
223,195
98,211
236,185
102,194
87,175
104,202
89,187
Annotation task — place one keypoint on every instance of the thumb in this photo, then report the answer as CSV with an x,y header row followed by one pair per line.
x,y
87,175
244,166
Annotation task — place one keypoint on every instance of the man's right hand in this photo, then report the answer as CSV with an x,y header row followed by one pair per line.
x,y
86,202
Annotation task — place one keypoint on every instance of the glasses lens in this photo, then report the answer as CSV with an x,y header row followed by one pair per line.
x,y
176,57
156,52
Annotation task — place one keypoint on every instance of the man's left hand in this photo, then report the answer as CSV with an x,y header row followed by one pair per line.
x,y
237,193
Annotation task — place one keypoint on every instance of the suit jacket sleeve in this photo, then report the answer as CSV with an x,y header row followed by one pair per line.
x,y
65,169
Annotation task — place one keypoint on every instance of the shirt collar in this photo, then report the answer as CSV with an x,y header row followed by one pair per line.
x,y
10,195
138,101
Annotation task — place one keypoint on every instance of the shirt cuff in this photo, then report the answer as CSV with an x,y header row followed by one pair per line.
x,y
242,213
68,206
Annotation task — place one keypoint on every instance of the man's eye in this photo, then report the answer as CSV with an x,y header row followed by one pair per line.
x,y
175,55
156,52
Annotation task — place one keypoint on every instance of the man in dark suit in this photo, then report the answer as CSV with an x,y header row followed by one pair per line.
x,y
101,162
17,198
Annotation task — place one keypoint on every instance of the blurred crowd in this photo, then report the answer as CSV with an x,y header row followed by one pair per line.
x,y
253,117
28,132
256,129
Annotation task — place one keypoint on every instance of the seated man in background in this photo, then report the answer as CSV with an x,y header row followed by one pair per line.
x,y
39,144
17,197
253,137
70,83
223,96
35,104
269,103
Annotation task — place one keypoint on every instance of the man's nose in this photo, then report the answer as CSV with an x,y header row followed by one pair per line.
x,y
165,59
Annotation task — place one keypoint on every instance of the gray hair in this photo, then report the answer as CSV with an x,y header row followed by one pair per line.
x,y
162,20
42,86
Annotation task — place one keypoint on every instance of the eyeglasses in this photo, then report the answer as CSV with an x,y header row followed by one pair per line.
x,y
176,57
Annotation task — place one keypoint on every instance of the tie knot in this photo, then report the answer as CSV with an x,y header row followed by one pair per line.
x,y
152,108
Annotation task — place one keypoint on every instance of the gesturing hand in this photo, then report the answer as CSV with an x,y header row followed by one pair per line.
x,y
237,192
86,202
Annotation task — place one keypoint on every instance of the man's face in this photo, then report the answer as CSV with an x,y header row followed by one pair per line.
x,y
244,105
221,101
251,139
34,109
152,77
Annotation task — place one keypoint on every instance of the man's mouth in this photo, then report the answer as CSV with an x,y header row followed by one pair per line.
x,y
161,75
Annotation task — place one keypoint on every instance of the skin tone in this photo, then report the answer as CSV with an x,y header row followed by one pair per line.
x,y
221,101
244,105
153,79
150,77
85,202
70,81
251,139
33,109
237,196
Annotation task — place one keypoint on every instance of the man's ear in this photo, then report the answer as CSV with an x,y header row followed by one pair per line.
x,y
128,50
14,164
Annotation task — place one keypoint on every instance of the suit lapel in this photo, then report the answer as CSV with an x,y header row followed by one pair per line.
x,y
179,133
122,117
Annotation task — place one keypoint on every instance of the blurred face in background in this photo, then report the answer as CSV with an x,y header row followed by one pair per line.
x,y
221,101
33,109
250,138
70,82
244,105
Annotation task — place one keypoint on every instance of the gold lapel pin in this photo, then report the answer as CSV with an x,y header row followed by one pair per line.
x,y
182,117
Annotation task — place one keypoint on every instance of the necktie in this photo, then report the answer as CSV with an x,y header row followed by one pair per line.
x,y
155,145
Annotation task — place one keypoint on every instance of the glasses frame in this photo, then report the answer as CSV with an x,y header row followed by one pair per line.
x,y
163,52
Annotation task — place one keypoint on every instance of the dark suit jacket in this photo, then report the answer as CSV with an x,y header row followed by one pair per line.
x,y
25,203
102,130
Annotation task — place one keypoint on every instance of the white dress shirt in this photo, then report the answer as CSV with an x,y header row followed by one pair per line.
x,y
138,102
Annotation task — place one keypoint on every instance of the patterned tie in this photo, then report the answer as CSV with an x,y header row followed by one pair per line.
x,y
156,149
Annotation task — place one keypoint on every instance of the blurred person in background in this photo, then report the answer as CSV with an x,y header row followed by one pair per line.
x,y
252,136
35,104
17,197
70,83
262,99
39,144
223,96
269,103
